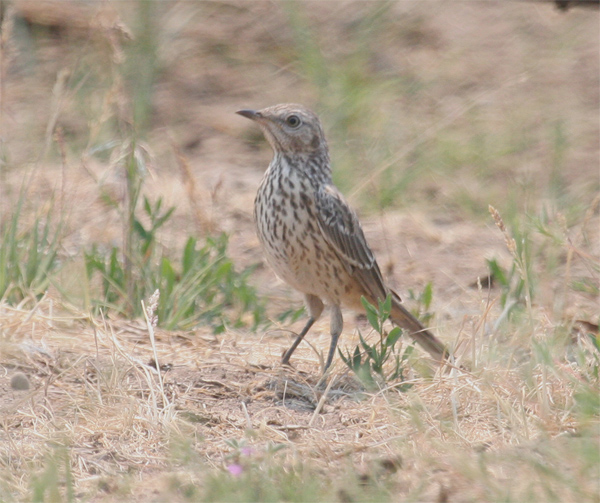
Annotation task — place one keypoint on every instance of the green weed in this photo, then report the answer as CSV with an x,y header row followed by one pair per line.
x,y
382,362
202,287
423,302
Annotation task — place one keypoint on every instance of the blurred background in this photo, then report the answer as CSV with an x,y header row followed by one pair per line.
x,y
117,118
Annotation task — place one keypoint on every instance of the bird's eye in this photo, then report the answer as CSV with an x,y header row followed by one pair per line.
x,y
293,121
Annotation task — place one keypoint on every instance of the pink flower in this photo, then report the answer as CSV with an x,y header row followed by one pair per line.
x,y
235,469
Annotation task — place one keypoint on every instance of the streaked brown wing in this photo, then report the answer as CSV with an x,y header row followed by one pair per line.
x,y
341,228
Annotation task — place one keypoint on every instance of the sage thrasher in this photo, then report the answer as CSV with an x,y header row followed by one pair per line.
x,y
310,236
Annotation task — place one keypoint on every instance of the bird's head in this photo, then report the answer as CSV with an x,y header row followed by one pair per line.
x,y
290,129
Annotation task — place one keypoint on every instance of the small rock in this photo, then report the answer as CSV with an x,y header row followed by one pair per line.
x,y
19,382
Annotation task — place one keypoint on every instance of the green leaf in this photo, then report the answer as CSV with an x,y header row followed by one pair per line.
x,y
368,349
407,352
168,274
427,296
356,358
379,359
363,372
188,255
139,228
345,359
163,218
372,314
385,308
397,369
147,207
393,337
497,272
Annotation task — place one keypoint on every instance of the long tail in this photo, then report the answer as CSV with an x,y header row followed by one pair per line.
x,y
429,342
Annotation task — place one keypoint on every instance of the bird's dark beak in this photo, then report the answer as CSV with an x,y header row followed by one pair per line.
x,y
249,114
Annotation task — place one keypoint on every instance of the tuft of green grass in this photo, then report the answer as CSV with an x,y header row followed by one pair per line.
x,y
203,287
28,254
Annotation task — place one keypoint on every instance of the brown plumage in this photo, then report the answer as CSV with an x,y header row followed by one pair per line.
x,y
310,236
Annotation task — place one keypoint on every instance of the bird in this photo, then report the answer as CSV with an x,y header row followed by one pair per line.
x,y
311,237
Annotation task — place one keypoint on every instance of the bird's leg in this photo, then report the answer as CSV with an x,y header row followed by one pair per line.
x,y
288,354
337,323
315,308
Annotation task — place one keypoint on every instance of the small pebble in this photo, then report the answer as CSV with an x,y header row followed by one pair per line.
x,y
19,382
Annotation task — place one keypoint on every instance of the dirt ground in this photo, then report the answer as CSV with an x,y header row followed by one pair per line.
x,y
89,386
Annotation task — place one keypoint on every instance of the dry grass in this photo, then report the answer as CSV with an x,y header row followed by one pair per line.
x,y
95,392
84,413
